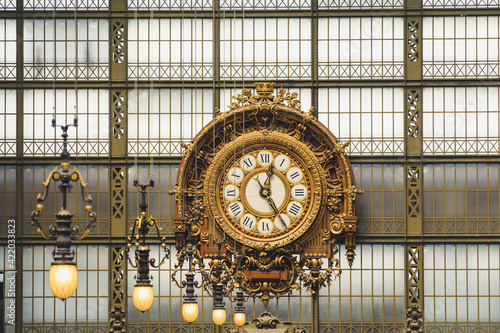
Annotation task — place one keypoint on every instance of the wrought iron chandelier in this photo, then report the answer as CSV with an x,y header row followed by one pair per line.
x,y
63,276
143,295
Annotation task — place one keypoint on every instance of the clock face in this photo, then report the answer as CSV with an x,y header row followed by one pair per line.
x,y
265,189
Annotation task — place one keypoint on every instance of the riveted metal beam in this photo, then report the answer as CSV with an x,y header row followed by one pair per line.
x,y
216,55
314,57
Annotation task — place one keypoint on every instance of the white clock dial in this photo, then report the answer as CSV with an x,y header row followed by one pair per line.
x,y
299,192
254,199
282,162
265,226
294,209
248,221
265,158
294,175
235,175
248,163
235,209
282,221
231,192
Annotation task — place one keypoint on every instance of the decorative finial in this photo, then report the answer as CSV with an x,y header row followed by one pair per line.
x,y
265,89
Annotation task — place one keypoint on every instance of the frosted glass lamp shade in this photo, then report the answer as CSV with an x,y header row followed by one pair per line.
x,y
219,316
239,318
63,280
143,297
190,312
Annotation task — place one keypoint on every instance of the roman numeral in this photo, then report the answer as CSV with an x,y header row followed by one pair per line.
x,y
299,192
265,158
231,193
248,162
235,175
282,161
265,226
235,208
294,209
247,222
295,175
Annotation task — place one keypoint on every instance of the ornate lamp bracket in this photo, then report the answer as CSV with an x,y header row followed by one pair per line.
x,y
63,230
139,230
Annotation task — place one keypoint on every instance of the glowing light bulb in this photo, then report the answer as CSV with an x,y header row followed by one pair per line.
x,y
63,280
143,297
219,316
239,318
190,312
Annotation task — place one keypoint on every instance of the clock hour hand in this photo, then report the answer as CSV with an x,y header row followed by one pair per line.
x,y
264,192
258,181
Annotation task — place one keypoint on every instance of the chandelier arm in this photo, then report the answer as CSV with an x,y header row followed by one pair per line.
x,y
130,260
181,285
91,215
77,176
158,228
52,231
210,293
152,261
88,227
132,229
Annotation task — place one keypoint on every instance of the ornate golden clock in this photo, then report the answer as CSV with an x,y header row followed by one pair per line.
x,y
272,183
265,188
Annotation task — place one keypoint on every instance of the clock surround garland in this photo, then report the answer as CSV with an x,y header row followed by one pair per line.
x,y
290,225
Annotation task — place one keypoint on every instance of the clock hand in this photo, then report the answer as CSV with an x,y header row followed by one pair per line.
x,y
269,173
264,192
257,180
282,221
273,205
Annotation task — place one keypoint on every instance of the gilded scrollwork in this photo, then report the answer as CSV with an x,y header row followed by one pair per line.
x,y
336,224
245,98
315,279
283,96
281,264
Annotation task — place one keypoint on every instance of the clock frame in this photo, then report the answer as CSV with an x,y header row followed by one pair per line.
x,y
278,144
271,262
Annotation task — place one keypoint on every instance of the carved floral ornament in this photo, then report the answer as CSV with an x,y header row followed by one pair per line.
x,y
304,200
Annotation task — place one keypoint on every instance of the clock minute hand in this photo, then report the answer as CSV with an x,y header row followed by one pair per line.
x,y
282,221
269,173
273,205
